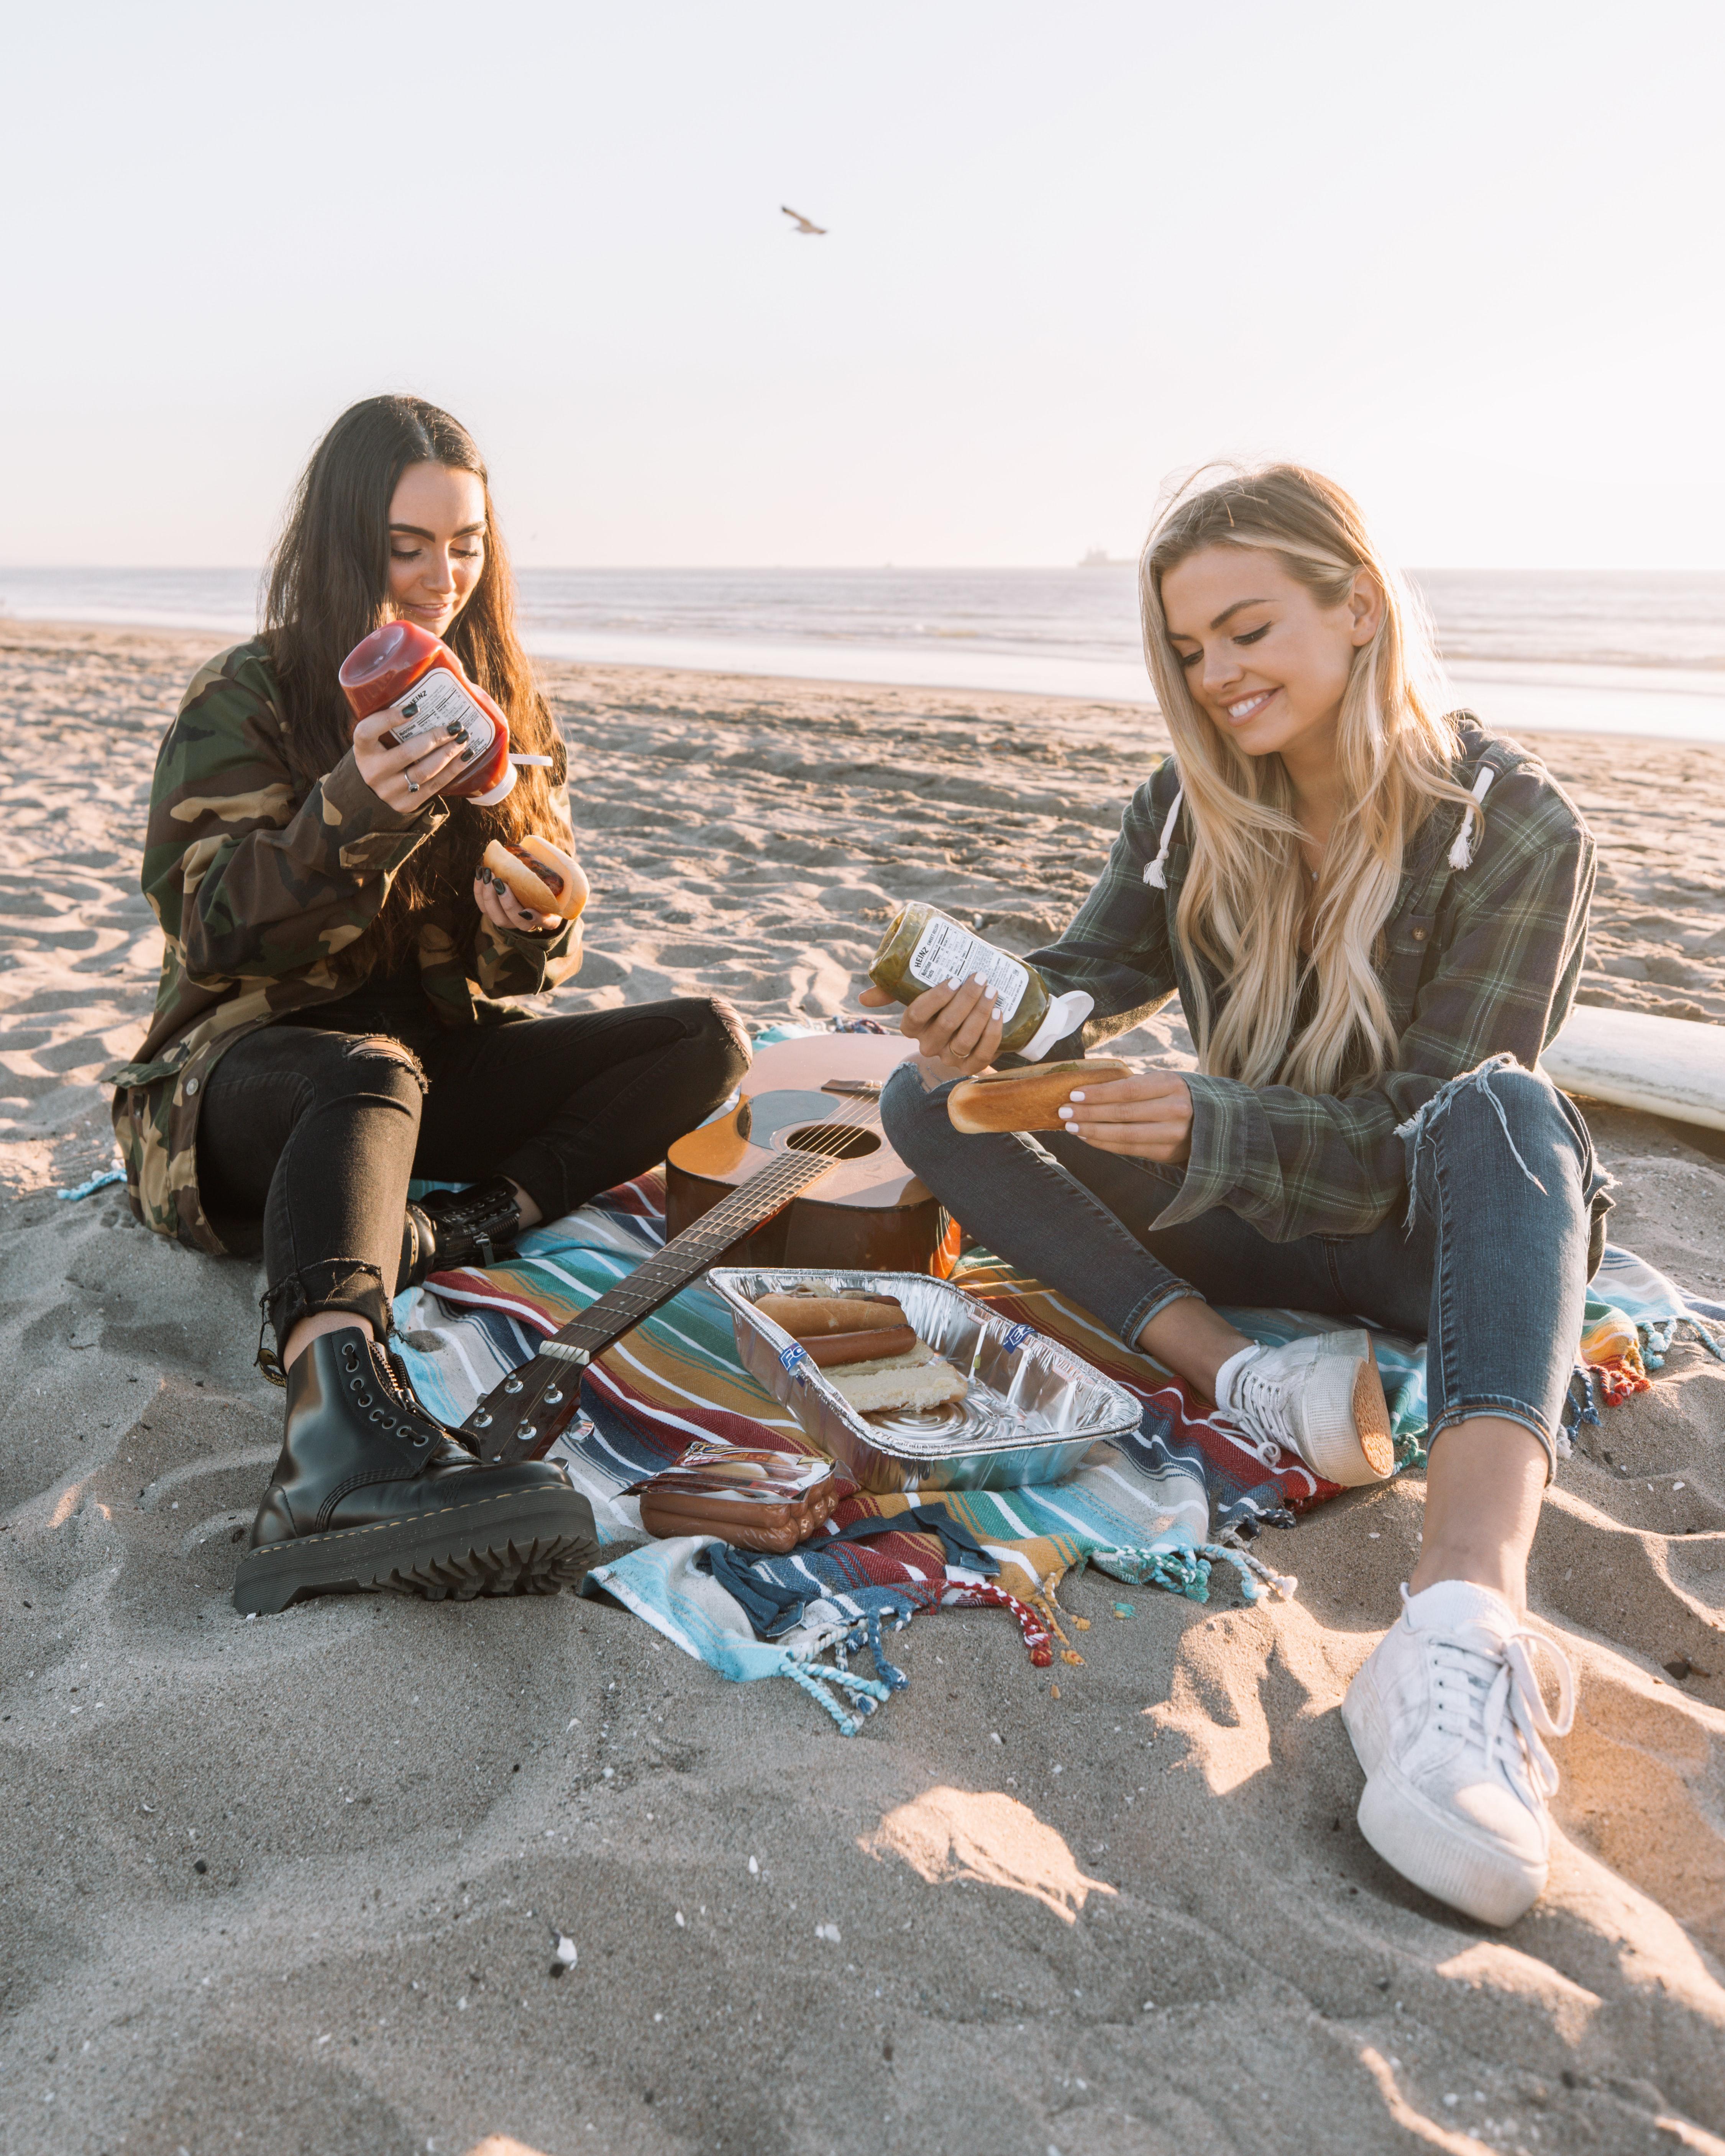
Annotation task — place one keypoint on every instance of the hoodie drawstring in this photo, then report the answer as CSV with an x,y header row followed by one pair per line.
x,y
1154,872
1461,853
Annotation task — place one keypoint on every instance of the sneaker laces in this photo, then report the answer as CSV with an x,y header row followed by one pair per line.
x,y
1488,1694
1259,1412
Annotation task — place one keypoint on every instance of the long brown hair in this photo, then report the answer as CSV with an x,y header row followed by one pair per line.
x,y
1245,890
329,586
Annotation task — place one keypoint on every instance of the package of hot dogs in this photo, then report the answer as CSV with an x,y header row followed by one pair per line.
x,y
757,1499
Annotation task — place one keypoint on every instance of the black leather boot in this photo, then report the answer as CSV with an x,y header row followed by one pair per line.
x,y
452,1228
371,1495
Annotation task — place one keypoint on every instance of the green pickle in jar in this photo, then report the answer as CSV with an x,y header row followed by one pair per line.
x,y
924,948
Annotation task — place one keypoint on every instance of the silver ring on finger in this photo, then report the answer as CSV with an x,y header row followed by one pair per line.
x,y
412,786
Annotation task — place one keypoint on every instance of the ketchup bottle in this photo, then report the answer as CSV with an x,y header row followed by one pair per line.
x,y
403,663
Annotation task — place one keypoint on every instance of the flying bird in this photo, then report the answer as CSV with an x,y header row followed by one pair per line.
x,y
802,224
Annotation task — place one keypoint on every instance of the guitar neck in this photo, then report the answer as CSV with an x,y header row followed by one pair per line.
x,y
540,1400
746,1208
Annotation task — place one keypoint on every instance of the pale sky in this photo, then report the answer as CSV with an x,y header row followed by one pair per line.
x,y
1466,259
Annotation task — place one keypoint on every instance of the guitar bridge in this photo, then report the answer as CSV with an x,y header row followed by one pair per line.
x,y
858,1089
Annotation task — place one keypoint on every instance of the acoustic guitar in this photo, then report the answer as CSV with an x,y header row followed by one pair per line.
x,y
807,1121
868,1212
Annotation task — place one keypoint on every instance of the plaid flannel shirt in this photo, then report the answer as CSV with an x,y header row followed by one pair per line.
x,y
1474,962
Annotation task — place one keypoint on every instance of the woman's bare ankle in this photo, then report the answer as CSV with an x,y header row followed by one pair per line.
x,y
1484,1484
313,1327
1192,1340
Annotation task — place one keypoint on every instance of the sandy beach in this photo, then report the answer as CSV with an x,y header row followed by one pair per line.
x,y
293,1884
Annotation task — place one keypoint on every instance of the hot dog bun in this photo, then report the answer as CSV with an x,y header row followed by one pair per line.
x,y
539,875
1027,1099
918,1379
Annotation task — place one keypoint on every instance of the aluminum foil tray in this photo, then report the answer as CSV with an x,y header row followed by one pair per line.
x,y
1032,1411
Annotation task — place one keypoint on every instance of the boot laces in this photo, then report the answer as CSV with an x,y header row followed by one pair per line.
x,y
1485,1691
409,1419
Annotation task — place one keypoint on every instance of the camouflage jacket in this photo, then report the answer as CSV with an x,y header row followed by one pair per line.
x,y
258,886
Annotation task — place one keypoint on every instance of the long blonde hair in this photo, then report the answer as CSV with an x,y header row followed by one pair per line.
x,y
1246,891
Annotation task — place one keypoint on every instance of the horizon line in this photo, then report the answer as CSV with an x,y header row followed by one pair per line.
x,y
830,568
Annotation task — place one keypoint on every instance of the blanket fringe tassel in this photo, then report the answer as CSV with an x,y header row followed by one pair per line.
x,y
1620,1377
1704,1332
866,1693
1252,1570
1660,1338
978,1594
867,1632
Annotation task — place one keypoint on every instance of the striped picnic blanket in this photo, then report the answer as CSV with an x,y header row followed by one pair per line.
x,y
1160,1507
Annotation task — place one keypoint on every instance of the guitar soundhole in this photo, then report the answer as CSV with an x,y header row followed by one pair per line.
x,y
835,1145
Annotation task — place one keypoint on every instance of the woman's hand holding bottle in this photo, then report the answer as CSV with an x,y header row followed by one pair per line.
x,y
956,1028
408,776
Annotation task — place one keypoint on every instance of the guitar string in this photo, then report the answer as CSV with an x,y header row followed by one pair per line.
x,y
788,1173
792,1176
790,1170
829,1146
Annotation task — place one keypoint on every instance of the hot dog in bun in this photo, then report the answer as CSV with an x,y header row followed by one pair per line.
x,y
836,1329
807,1317
538,874
1027,1099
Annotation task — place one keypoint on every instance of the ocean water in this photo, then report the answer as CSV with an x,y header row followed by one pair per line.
x,y
1583,651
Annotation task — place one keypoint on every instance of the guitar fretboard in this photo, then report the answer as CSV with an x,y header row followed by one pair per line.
x,y
519,1419
648,1286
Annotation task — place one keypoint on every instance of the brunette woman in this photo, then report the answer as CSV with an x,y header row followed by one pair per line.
x,y
328,1026
1374,915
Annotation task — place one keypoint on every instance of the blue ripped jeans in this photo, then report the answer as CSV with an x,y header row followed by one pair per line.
x,y
1490,1263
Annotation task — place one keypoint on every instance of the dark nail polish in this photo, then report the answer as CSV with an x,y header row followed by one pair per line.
x,y
466,756
457,730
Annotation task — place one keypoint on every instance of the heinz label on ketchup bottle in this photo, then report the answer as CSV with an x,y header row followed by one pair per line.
x,y
440,702
406,667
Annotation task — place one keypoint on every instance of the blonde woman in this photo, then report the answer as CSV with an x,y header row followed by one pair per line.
x,y
1373,915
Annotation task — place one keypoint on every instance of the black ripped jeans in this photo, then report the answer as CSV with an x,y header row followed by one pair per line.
x,y
316,1131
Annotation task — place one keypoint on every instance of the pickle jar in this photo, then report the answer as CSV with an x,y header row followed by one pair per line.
x,y
924,948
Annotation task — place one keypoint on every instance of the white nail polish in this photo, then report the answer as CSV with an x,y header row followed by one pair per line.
x,y
1075,1096
955,983
981,979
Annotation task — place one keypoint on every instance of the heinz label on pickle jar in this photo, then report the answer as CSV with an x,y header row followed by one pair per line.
x,y
945,951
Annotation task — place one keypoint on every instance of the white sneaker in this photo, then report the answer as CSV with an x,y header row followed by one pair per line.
x,y
1447,1720
1321,1398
